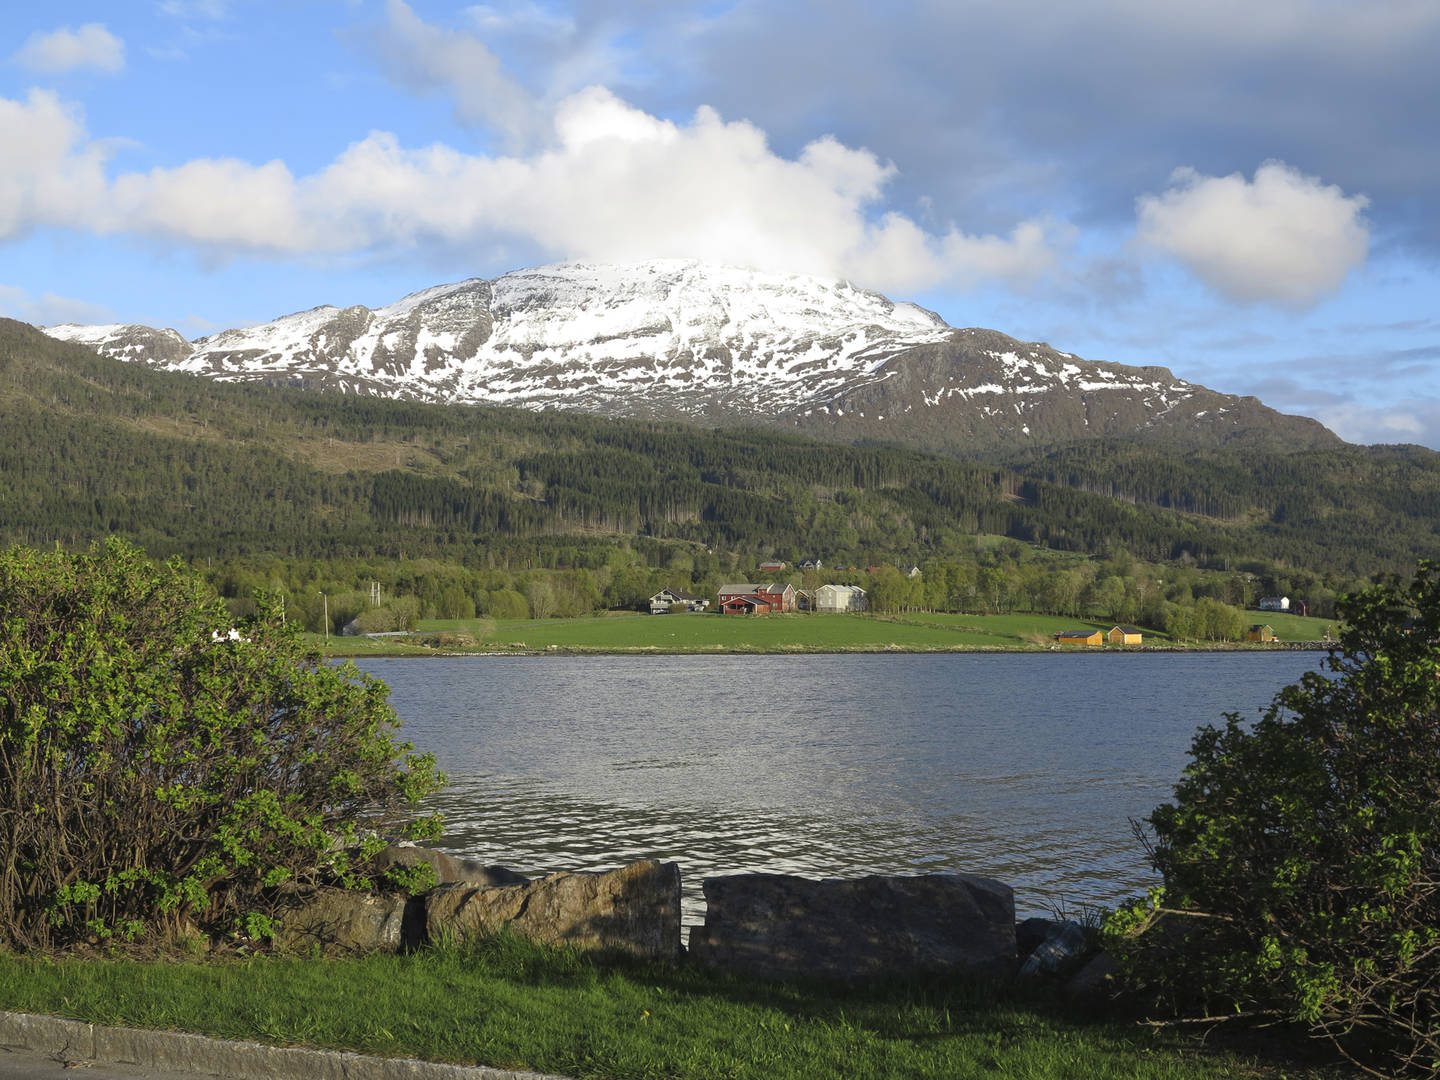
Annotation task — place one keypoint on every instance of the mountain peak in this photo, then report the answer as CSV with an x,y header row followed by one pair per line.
x,y
679,339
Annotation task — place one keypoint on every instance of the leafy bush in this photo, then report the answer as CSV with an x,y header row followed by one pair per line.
x,y
401,613
1301,856
159,765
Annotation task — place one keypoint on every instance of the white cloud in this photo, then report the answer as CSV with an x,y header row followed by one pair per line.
x,y
620,184
613,184
90,47
50,309
217,203
1284,238
529,18
1416,422
50,174
428,58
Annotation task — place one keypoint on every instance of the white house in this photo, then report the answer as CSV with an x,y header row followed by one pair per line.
x,y
840,598
1275,603
663,602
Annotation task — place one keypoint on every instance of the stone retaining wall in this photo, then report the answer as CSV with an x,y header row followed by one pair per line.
x,y
784,927
766,924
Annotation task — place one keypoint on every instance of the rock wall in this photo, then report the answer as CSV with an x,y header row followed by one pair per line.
x,y
635,909
350,921
781,926
771,925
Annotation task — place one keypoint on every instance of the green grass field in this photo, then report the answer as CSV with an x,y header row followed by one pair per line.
x,y
629,632
770,633
509,1004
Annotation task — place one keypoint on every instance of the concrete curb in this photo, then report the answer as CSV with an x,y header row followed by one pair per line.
x,y
75,1040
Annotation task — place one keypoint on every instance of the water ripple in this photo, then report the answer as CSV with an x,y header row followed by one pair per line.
x,y
1023,768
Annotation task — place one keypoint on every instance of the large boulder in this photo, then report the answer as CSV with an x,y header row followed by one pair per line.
x,y
448,868
780,926
1097,982
635,909
349,921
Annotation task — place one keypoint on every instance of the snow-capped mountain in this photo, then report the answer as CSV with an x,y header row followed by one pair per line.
x,y
685,340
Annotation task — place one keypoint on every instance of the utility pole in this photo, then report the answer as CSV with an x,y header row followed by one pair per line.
x,y
327,617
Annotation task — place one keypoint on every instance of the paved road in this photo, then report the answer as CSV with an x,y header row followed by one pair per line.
x,y
30,1065
28,1051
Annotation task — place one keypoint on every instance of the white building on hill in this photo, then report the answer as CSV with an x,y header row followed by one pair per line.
x,y
840,598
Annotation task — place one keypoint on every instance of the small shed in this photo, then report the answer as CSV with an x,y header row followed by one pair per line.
x,y
1260,632
1080,637
744,605
1124,635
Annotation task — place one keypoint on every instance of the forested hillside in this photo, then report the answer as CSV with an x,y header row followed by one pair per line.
x,y
91,446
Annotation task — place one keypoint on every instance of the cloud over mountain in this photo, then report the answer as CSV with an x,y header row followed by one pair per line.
x,y
614,183
1007,165
1282,238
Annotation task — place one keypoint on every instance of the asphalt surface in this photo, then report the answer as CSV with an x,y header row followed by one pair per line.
x,y
33,1065
34,1047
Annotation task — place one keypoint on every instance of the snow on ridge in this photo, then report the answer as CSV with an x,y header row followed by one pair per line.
x,y
695,337
286,335
697,299
106,333
82,333
409,303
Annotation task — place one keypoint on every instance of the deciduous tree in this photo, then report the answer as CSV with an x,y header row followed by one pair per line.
x,y
1301,855
159,764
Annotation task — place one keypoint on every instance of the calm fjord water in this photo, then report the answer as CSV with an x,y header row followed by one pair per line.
x,y
1027,768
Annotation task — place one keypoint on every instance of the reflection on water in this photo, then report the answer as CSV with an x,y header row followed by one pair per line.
x,y
1027,768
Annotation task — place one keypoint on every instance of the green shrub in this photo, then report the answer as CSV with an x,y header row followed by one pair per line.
x,y
1301,856
401,613
161,766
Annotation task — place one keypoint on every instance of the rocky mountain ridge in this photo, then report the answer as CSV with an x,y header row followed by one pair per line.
x,y
714,345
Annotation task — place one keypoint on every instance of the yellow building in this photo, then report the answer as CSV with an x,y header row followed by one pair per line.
x,y
1124,635
1080,637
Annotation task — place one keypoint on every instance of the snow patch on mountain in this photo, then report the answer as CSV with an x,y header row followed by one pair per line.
x,y
684,340
579,335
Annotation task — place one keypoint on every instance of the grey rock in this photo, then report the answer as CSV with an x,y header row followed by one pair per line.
x,y
1031,933
1097,981
347,921
780,926
1062,945
448,868
475,872
635,909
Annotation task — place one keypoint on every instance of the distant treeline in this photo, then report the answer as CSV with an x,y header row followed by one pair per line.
x,y
992,578
239,475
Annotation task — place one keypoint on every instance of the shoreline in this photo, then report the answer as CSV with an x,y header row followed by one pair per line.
x,y
422,653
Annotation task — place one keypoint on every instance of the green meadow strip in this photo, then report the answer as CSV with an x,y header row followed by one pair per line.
x,y
513,1005
791,633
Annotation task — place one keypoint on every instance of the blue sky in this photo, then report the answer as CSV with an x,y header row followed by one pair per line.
x,y
1248,194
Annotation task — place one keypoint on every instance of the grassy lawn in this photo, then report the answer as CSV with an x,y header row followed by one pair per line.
x,y
761,633
513,1005
1293,627
639,633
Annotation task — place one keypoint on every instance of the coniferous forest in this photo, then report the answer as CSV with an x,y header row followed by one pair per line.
x,y
484,510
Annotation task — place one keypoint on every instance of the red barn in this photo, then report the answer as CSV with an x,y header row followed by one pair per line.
x,y
756,599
